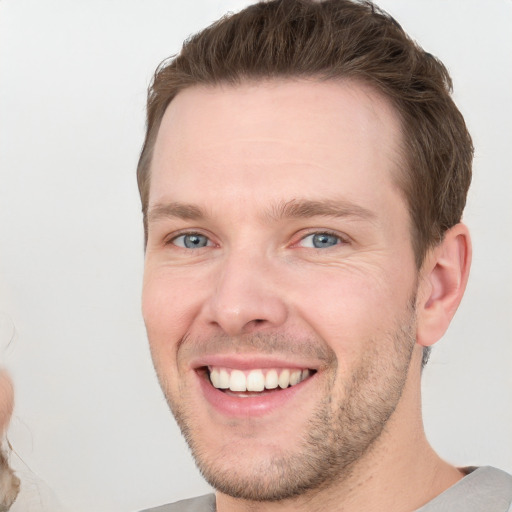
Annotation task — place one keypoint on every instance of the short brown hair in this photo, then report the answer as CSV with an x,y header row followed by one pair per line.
x,y
329,40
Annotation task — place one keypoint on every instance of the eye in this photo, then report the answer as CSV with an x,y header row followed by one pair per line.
x,y
191,241
320,240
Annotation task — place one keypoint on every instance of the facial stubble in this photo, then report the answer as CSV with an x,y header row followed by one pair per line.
x,y
340,431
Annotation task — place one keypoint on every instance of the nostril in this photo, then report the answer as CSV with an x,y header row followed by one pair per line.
x,y
254,325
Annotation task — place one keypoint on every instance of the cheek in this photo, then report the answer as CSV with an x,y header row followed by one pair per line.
x,y
167,308
164,329
347,292
349,307
172,300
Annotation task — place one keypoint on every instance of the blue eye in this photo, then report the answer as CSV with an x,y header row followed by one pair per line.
x,y
191,241
320,240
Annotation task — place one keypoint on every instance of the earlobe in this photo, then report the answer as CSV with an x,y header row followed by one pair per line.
x,y
444,277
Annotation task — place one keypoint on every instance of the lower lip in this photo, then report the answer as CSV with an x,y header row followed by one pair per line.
x,y
253,405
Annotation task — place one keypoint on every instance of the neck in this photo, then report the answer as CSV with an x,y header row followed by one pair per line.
x,y
399,472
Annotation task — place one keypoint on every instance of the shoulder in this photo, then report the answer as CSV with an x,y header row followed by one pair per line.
x,y
489,483
204,503
484,489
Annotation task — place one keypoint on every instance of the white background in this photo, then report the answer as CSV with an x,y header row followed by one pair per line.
x,y
90,420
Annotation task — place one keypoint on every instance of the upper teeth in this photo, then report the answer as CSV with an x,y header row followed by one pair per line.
x,y
256,380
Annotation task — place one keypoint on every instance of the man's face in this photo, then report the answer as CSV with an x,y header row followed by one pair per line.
x,y
279,265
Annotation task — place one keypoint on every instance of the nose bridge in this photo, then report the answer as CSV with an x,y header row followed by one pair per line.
x,y
246,297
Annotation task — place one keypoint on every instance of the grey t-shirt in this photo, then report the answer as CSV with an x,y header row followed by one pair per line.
x,y
484,489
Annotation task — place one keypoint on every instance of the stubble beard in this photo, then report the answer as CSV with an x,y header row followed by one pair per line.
x,y
338,435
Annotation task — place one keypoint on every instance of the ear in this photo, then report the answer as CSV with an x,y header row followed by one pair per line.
x,y
444,275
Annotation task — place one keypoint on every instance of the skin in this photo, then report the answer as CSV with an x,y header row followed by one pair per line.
x,y
358,312
6,400
9,483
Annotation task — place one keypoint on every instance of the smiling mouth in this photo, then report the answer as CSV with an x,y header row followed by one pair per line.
x,y
256,380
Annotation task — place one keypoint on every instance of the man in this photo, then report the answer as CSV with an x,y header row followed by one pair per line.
x,y
303,179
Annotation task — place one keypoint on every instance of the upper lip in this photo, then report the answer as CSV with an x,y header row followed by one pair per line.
x,y
250,362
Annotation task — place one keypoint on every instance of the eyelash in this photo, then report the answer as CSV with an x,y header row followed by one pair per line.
x,y
341,240
172,240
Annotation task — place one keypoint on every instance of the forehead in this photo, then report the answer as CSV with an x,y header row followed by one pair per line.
x,y
275,136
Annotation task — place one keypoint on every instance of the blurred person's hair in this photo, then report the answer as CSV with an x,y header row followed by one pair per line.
x,y
9,483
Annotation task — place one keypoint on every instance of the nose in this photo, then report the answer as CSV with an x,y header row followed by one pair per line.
x,y
247,296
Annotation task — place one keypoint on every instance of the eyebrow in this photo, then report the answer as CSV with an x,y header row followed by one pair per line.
x,y
293,209
298,209
175,210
